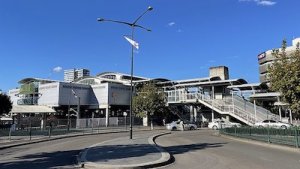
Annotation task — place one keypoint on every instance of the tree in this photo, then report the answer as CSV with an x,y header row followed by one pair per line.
x,y
5,104
284,76
149,102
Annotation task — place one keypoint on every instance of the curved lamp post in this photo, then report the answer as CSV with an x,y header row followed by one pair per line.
x,y
132,25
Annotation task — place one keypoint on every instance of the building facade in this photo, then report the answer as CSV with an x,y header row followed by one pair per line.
x,y
108,95
71,75
266,59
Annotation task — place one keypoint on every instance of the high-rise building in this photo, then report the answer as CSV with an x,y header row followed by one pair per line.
x,y
72,74
265,59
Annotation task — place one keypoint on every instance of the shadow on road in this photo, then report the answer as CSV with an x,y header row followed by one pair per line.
x,y
52,160
104,153
117,152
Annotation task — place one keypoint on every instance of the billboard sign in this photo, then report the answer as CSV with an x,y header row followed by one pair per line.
x,y
261,56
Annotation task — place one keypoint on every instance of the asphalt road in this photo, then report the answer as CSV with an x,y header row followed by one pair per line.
x,y
53,154
201,149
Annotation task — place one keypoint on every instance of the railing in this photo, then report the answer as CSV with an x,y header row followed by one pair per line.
x,y
225,106
289,137
250,118
261,113
234,105
33,128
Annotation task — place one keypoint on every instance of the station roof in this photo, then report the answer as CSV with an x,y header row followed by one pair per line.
x,y
98,80
117,73
211,83
174,82
31,109
156,80
30,79
249,86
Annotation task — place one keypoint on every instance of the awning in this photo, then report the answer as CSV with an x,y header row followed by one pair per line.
x,y
250,86
31,109
272,96
281,104
6,119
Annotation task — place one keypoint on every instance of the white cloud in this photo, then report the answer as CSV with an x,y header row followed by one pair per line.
x,y
261,2
171,23
57,69
266,3
179,30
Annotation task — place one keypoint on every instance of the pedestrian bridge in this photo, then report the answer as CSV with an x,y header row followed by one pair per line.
x,y
232,105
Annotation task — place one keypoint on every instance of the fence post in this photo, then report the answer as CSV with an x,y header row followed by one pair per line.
x,y
296,138
92,122
10,134
250,131
29,133
125,123
68,125
29,128
269,139
49,131
235,131
98,125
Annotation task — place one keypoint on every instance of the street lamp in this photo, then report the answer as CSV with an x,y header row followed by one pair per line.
x,y
132,25
78,108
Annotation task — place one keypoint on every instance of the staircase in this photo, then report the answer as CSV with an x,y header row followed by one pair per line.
x,y
234,106
181,111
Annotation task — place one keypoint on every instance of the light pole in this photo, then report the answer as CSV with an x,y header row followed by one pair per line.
x,y
132,25
78,108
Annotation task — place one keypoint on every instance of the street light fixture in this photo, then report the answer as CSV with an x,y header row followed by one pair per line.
x,y
78,108
132,25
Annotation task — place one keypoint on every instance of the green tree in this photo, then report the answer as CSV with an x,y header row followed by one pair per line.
x,y
149,102
5,104
284,75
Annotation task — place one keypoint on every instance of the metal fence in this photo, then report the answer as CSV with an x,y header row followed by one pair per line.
x,y
290,137
28,129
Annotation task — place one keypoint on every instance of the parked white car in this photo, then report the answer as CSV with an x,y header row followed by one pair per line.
x,y
180,125
273,124
217,124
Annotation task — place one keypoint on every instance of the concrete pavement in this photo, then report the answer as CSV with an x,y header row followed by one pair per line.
x,y
203,149
125,153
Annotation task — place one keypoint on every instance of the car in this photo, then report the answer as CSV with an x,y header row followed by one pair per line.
x,y
181,125
217,124
273,124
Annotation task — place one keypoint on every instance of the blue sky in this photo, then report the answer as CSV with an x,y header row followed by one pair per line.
x,y
42,38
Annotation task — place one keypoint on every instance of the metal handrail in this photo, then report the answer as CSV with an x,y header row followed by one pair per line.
x,y
233,106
